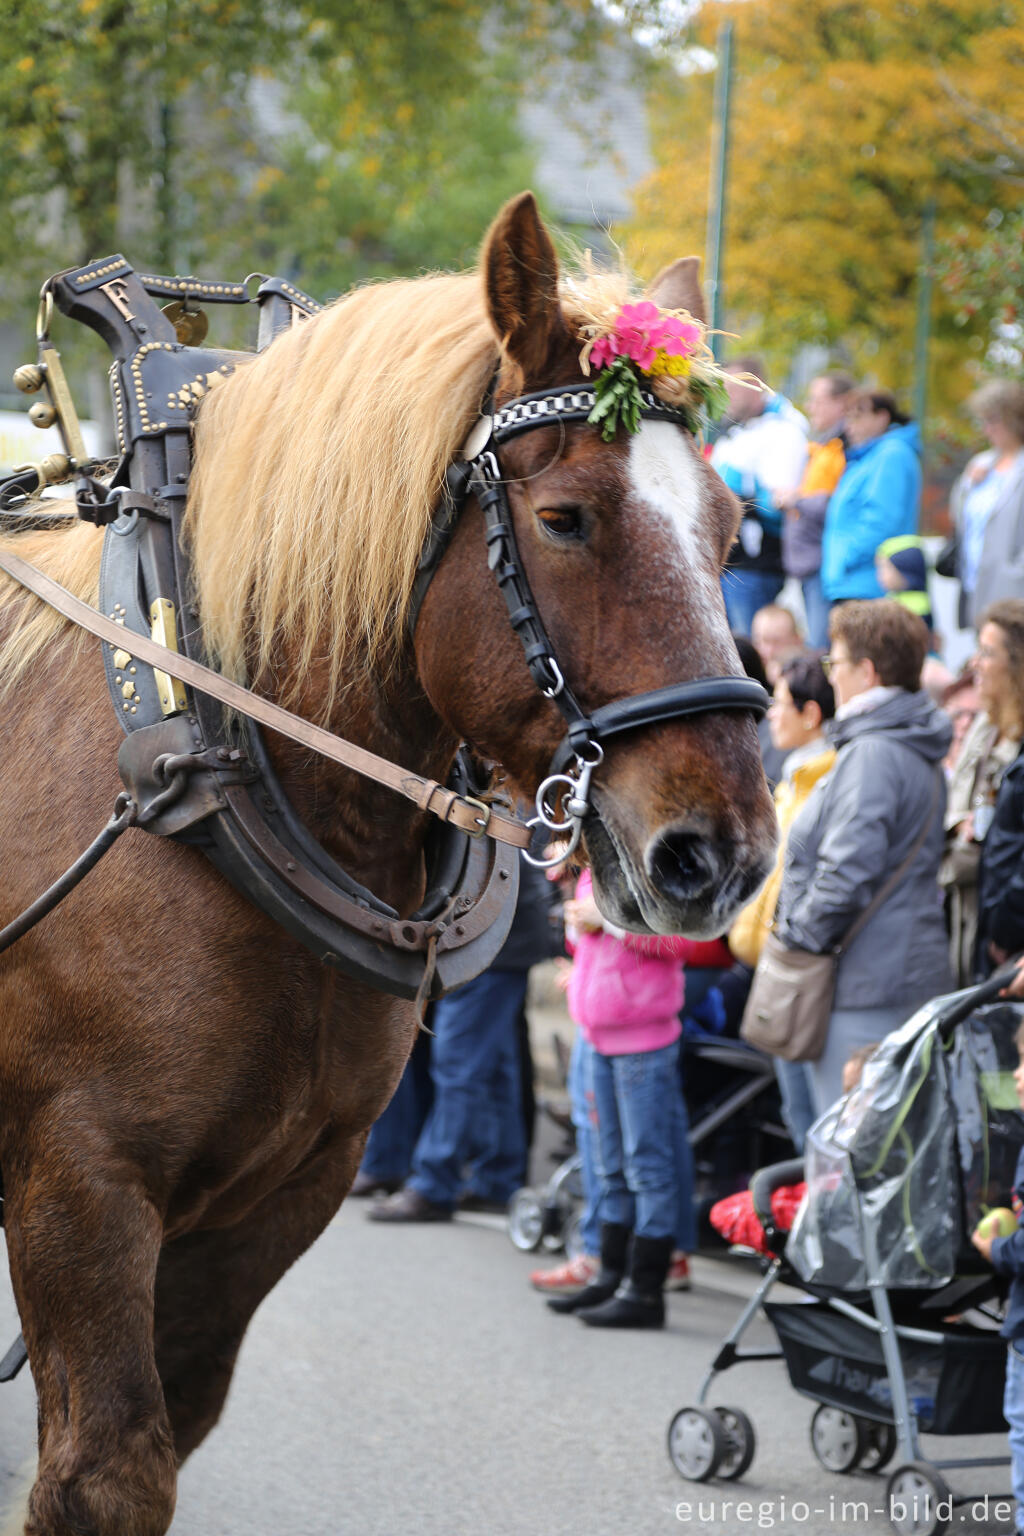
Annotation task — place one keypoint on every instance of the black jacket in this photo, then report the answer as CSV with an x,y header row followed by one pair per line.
x,y
1001,882
536,932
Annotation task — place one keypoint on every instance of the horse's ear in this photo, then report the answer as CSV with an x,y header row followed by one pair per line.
x,y
520,270
677,286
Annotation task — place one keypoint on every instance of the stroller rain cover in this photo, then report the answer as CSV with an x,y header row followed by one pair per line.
x,y
900,1171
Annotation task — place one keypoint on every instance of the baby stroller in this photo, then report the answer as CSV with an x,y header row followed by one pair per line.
x,y
898,1174
551,1217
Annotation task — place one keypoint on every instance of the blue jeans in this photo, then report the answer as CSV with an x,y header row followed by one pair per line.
x,y
476,1117
584,1119
645,1164
745,592
393,1135
1013,1410
816,610
796,1091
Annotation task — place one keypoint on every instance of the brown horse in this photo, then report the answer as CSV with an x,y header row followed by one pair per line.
x,y
184,1090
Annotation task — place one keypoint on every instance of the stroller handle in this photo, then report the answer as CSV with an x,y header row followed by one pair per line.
x,y
965,1003
767,1180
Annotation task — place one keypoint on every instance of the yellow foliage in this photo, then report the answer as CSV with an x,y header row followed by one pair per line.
x,y
266,178
846,121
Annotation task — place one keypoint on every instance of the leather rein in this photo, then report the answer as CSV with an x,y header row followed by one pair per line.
x,y
471,816
181,783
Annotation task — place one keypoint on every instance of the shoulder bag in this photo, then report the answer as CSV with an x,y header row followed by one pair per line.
x,y
790,1001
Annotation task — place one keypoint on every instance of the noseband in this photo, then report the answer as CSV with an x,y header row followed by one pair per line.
x,y
478,473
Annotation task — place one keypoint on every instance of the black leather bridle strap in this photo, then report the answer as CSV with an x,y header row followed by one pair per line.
x,y
674,702
677,702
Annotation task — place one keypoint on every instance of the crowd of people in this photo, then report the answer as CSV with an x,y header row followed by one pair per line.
x,y
899,789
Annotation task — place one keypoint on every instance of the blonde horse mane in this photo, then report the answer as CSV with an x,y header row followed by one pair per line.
x,y
317,468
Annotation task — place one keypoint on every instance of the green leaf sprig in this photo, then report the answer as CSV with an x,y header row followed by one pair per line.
x,y
617,399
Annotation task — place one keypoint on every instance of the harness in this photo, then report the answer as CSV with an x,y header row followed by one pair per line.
x,y
195,774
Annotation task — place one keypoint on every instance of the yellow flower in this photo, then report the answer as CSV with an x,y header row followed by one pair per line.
x,y
25,64
677,367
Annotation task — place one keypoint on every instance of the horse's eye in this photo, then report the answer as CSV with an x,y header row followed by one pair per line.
x,y
562,522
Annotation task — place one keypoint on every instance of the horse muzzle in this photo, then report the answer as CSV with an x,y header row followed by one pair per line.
x,y
685,880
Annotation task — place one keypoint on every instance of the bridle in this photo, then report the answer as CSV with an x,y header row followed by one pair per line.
x,y
563,798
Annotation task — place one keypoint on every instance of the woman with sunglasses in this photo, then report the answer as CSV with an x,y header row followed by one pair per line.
x,y
801,708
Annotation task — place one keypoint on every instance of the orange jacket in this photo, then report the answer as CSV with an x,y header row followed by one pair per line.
x,y
825,465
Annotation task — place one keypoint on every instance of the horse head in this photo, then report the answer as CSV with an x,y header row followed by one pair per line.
x,y
623,544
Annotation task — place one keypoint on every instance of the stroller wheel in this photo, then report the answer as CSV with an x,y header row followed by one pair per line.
x,y
525,1220
554,1215
742,1442
837,1438
914,1495
697,1444
880,1444
572,1235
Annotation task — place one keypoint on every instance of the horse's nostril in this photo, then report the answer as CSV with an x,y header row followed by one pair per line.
x,y
681,865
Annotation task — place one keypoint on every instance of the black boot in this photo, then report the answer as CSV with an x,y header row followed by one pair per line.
x,y
638,1302
614,1248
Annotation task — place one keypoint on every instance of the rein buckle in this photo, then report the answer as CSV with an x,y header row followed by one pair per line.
x,y
482,824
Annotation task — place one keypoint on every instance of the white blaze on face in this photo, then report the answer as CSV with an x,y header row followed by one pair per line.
x,y
665,477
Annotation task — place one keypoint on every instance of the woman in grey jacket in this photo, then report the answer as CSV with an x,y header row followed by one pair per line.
x,y
859,825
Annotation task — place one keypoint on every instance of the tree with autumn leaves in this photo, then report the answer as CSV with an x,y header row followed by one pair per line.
x,y
847,119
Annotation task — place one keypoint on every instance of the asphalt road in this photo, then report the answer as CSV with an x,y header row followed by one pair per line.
x,y
408,1382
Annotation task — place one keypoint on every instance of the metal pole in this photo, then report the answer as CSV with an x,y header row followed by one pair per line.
x,y
924,312
716,197
165,187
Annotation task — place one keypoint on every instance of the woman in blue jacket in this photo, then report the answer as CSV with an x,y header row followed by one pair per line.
x,y
876,499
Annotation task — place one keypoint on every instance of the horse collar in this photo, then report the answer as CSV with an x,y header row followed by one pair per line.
x,y
192,776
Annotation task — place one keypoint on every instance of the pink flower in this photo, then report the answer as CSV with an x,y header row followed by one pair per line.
x,y
679,337
640,332
634,326
603,352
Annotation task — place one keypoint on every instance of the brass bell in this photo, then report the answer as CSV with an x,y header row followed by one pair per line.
x,y
42,415
55,466
189,321
28,378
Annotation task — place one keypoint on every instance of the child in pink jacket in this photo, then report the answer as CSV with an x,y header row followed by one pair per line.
x,y
625,995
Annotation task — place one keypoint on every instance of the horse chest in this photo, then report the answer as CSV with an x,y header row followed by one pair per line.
x,y
296,1103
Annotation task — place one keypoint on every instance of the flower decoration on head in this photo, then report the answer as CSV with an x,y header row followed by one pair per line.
x,y
626,342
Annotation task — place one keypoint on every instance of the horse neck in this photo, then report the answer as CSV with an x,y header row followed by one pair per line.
x,y
374,833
